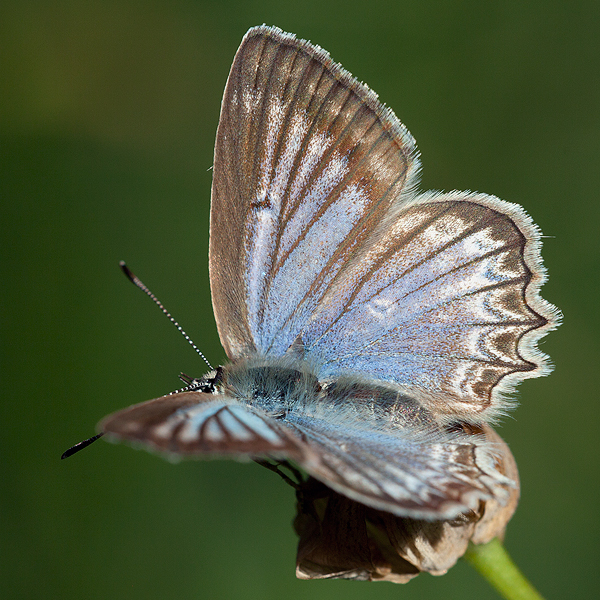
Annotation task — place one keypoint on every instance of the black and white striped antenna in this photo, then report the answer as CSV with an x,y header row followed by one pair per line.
x,y
138,283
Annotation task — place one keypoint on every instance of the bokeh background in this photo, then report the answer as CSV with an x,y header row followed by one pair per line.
x,y
108,112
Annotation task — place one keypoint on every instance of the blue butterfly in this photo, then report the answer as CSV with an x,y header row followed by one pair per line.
x,y
368,325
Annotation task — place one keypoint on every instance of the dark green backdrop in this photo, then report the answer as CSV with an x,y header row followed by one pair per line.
x,y
108,112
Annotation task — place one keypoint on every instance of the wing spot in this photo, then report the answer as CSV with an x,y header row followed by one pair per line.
x,y
164,430
257,425
212,431
234,426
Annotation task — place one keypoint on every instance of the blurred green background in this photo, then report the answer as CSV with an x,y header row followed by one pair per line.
x,y
108,112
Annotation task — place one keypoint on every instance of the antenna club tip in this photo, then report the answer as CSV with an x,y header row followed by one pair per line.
x,y
127,271
80,446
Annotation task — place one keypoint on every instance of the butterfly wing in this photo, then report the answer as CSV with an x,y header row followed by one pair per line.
x,y
307,161
199,424
445,302
318,242
418,473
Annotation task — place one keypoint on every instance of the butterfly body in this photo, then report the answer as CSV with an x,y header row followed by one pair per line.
x,y
373,331
365,439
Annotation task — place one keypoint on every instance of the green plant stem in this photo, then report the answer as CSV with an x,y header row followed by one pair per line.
x,y
494,564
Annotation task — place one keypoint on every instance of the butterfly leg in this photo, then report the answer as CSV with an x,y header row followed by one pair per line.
x,y
275,467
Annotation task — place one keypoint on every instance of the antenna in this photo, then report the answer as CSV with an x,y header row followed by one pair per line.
x,y
80,446
138,283
189,380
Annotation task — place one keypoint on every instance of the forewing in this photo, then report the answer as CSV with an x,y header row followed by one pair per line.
x,y
444,301
194,423
307,162
419,473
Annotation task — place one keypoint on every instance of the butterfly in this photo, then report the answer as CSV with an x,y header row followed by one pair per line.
x,y
366,323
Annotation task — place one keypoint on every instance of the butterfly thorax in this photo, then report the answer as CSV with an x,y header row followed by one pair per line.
x,y
274,386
